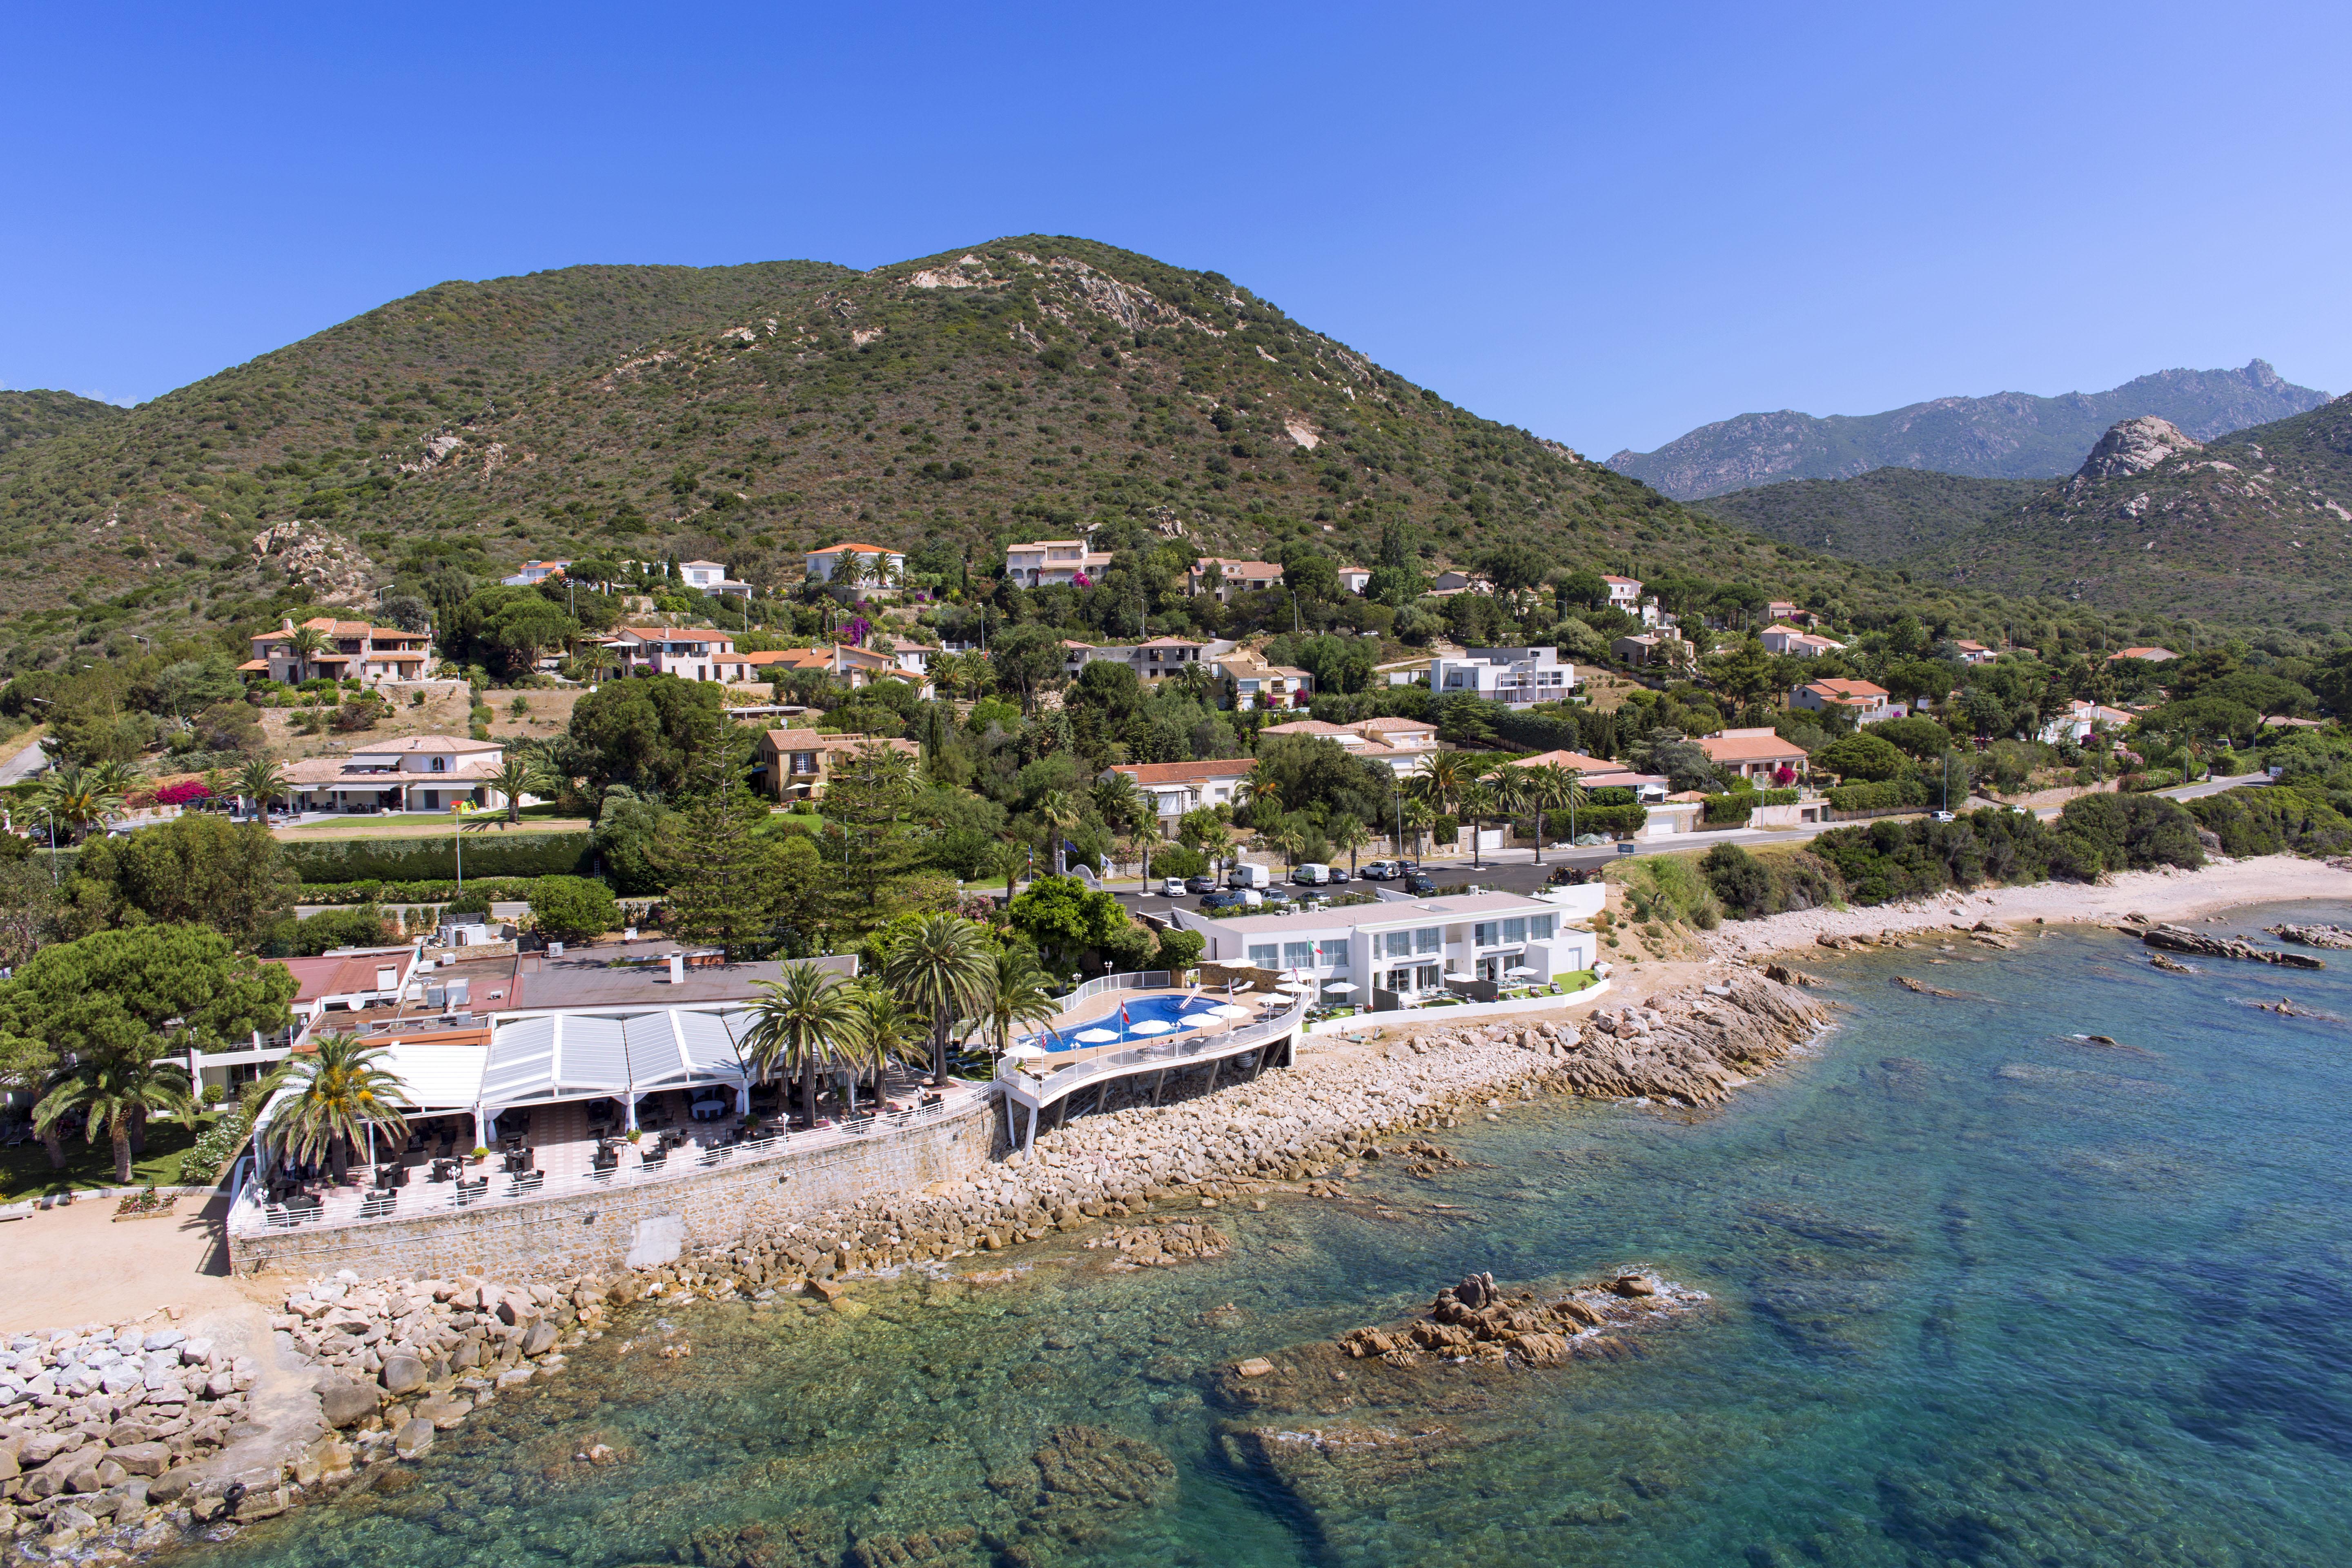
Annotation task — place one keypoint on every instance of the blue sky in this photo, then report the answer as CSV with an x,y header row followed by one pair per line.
x,y
1608,224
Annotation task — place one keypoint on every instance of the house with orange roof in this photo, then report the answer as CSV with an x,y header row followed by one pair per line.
x,y
1046,563
356,650
1231,577
1179,787
2151,655
1976,652
796,764
1400,743
534,573
1757,754
1868,702
690,653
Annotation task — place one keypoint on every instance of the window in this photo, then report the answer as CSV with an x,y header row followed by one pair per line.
x,y
1430,976
1264,955
1297,954
1399,980
1541,927
1486,934
1332,953
1399,943
1429,939
440,764
1515,930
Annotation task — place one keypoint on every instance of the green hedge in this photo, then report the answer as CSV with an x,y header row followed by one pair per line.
x,y
499,889
1610,795
1731,809
2154,778
1893,795
434,859
1612,819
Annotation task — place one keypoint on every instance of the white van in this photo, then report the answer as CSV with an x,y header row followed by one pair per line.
x,y
1311,874
1245,875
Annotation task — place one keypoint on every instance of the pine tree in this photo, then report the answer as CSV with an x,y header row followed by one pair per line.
x,y
720,862
866,805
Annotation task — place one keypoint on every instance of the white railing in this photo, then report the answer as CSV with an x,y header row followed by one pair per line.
x,y
1138,980
1173,1051
249,1215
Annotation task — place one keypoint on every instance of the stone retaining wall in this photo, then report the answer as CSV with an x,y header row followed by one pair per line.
x,y
603,1231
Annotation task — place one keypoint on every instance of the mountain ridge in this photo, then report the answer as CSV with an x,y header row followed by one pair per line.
x,y
2008,434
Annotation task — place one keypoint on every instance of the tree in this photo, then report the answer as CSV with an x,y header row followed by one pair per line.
x,y
1921,737
342,1092
797,1023
115,1093
1863,757
719,866
1556,788
515,778
880,1033
1480,799
650,733
1439,778
572,909
1017,997
147,989
1396,581
1026,659
1745,673
1584,588
79,800
940,965
1514,568
867,802
1059,810
1061,914
306,644
1347,832
195,869
527,626
262,781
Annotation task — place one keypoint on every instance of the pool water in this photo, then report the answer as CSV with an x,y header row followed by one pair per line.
x,y
1984,1293
1164,1009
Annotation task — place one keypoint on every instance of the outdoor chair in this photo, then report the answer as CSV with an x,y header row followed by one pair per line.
x,y
378,1203
712,1156
527,1182
444,1170
471,1192
655,1158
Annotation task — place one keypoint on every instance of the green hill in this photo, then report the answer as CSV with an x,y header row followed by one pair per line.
x,y
1885,517
2252,530
29,416
944,405
2008,436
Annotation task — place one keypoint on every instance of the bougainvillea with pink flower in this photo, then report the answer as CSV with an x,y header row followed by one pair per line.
x,y
187,792
854,630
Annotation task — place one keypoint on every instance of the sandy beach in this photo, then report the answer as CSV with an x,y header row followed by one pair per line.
x,y
2165,895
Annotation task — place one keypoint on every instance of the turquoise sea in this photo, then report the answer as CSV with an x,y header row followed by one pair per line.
x,y
1982,1293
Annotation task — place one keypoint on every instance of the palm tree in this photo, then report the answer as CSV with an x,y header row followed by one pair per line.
x,y
114,1095
1259,795
1476,798
1194,681
1420,816
342,1091
219,787
1440,776
79,800
1017,997
1006,859
1515,792
516,777
306,644
798,1024
1558,788
1346,831
1059,810
261,781
940,967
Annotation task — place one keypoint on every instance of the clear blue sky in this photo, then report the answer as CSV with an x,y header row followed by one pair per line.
x,y
1606,223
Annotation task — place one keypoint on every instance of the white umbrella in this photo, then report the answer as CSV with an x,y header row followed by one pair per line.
x,y
1294,986
1201,1021
1098,1037
1024,1053
1518,969
1341,987
1458,977
1229,1011
1152,1026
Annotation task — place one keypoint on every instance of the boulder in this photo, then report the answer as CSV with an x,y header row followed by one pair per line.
x,y
403,1373
540,1338
414,1440
150,1459
344,1403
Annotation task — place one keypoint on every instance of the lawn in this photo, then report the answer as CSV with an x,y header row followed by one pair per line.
x,y
25,1170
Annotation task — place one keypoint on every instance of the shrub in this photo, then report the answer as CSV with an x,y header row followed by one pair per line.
x,y
1753,885
2276,820
434,859
2153,779
1612,819
574,908
1891,794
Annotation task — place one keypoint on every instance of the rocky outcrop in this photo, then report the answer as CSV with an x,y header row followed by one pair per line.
x,y
2180,938
1477,1318
2314,935
2136,445
337,571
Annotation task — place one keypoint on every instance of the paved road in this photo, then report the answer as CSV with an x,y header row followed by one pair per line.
x,y
24,765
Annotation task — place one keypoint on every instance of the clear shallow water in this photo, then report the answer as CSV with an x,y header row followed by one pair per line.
x,y
1984,1295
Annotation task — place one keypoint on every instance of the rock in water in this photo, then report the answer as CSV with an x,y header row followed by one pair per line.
x,y
2180,938
2314,935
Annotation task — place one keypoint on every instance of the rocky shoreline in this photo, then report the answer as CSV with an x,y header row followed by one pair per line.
x,y
397,1361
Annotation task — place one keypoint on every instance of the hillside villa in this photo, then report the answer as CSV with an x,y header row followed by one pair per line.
x,y
356,650
415,773
1179,787
796,764
1758,755
1512,675
1625,594
1258,684
534,573
1399,742
1232,577
1048,561
1397,952
711,577
1665,645
1781,637
1868,702
877,564
1154,661
2151,655
2080,720
1598,773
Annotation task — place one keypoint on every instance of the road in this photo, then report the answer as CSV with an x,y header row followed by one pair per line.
x,y
28,761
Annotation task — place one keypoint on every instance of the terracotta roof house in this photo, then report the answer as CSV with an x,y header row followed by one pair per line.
x,y
1046,561
877,565
1976,652
1180,787
1625,593
534,573
413,773
1258,684
1399,742
1234,576
356,650
796,764
1869,703
2152,655
1752,753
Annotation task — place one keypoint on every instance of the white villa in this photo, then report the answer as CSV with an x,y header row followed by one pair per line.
x,y
1514,674
415,772
1396,952
1180,787
1051,560
710,576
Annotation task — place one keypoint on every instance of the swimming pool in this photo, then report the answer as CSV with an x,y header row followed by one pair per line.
x,y
1143,1009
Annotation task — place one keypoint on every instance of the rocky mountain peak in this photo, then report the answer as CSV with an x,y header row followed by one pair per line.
x,y
2136,445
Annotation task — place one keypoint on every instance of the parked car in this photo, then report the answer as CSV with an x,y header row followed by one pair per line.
x,y
1275,897
1247,875
1946,816
1380,871
1204,883
1171,887
1419,883
1339,874
1310,873
1233,900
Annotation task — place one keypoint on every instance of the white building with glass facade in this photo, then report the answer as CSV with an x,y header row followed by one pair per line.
x,y
1396,952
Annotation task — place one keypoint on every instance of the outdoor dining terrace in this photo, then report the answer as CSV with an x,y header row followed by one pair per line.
x,y
565,1148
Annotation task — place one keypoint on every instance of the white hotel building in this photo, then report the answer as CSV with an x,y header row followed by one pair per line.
x,y
1399,950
